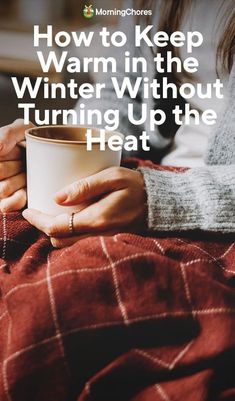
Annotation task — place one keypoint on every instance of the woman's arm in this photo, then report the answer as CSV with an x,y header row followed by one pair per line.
x,y
201,198
114,201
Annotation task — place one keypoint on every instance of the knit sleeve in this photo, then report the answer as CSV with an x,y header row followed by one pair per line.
x,y
200,198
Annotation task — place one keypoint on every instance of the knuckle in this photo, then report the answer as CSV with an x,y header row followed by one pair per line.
x,y
118,174
73,189
6,132
114,169
84,186
79,187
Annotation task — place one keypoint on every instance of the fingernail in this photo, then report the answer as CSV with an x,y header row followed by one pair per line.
x,y
61,197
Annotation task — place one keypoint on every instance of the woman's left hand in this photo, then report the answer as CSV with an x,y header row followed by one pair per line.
x,y
108,202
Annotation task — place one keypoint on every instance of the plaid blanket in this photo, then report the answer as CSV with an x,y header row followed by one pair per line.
x,y
121,318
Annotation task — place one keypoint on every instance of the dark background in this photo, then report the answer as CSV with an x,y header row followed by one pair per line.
x,y
17,17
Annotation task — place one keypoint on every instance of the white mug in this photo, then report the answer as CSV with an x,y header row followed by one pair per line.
x,y
56,157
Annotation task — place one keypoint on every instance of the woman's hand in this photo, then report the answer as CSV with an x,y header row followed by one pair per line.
x,y
12,174
109,202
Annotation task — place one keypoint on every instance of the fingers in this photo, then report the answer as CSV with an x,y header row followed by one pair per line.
x,y
92,187
10,168
12,178
58,226
14,202
11,134
14,154
45,222
92,219
11,185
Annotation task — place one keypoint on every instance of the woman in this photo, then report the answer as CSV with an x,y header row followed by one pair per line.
x,y
199,198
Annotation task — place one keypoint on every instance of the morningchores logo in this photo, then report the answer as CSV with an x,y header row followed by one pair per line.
x,y
90,11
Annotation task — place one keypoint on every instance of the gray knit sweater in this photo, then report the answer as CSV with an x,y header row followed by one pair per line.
x,y
200,198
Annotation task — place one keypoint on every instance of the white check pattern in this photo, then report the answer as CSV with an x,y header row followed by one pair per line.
x,y
111,262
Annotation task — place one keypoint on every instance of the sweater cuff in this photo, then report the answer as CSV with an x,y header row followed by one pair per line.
x,y
194,199
170,201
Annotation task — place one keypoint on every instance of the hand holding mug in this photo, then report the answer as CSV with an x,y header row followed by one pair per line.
x,y
12,170
110,201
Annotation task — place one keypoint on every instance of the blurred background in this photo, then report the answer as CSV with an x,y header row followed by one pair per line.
x,y
18,56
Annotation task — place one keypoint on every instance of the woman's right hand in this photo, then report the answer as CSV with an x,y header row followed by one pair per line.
x,y
12,169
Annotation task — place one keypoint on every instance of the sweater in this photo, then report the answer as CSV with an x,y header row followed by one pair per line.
x,y
182,153
201,198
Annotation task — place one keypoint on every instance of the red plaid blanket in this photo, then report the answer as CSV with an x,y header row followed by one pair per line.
x,y
122,318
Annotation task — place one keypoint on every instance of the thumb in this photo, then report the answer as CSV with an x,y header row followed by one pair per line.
x,y
11,134
89,188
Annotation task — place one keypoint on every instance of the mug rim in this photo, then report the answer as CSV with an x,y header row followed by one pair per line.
x,y
66,141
